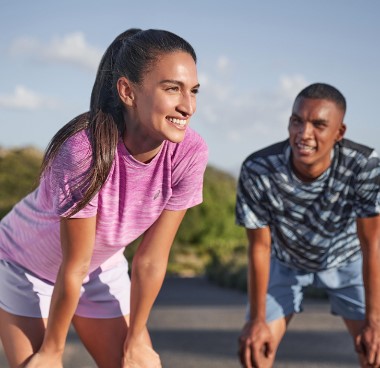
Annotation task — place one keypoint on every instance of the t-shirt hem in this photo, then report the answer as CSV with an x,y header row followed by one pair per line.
x,y
184,207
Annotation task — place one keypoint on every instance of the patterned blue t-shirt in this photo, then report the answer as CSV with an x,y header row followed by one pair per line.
x,y
313,225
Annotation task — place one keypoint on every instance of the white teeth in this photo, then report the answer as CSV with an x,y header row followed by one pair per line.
x,y
305,147
178,121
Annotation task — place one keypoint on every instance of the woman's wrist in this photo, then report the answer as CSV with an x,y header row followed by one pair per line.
x,y
136,334
52,348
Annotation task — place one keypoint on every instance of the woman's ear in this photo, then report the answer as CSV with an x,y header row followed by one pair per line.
x,y
125,90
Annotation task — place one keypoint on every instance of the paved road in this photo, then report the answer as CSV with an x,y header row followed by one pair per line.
x,y
195,324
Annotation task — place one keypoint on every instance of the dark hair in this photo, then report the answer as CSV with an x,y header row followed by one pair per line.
x,y
326,92
132,54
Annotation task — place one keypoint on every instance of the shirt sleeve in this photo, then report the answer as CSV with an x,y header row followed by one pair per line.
x,y
66,175
188,172
367,188
251,211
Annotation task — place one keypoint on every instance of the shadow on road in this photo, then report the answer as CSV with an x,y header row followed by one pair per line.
x,y
199,323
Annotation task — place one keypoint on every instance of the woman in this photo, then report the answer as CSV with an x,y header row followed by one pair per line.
x,y
129,166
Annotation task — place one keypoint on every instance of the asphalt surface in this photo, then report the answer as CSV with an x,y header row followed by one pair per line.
x,y
195,324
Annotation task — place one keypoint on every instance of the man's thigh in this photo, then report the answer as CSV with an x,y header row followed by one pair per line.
x,y
285,290
345,288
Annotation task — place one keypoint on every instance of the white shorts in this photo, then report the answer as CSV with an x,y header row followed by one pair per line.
x,y
105,294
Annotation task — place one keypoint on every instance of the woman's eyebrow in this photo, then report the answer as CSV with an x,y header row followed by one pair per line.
x,y
179,83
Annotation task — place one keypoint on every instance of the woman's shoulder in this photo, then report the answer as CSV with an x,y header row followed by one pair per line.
x,y
75,150
192,151
193,142
79,140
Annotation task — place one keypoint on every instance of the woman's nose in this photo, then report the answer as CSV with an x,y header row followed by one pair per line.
x,y
187,104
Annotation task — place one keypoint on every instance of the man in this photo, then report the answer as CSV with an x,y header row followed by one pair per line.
x,y
311,208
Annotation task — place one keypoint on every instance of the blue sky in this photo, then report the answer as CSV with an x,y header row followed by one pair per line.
x,y
253,59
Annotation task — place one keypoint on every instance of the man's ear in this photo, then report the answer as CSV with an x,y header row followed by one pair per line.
x,y
125,90
341,132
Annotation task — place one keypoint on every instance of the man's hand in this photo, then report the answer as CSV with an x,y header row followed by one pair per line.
x,y
367,344
256,345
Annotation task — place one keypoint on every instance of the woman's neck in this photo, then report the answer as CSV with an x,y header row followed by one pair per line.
x,y
143,150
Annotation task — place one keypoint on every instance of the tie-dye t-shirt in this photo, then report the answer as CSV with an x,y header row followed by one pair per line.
x,y
313,225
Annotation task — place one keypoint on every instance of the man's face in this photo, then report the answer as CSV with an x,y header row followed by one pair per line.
x,y
314,127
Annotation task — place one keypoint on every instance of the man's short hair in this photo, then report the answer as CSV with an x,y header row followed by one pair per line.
x,y
325,92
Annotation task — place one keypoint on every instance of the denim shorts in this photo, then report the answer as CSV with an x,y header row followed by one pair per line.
x,y
344,287
104,294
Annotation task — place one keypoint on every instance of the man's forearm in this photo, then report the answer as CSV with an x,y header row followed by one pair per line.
x,y
369,235
259,266
371,277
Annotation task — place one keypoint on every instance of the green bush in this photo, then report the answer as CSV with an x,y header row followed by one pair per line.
x,y
19,172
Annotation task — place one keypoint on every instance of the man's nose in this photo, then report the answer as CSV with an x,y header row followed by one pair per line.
x,y
306,130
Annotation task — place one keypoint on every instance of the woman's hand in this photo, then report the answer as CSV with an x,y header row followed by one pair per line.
x,y
140,355
44,360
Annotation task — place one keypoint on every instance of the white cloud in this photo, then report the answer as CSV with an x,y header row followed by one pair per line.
x,y
251,110
72,48
23,98
223,64
240,120
292,85
203,79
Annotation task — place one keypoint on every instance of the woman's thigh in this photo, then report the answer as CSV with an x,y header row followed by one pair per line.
x,y
21,336
104,338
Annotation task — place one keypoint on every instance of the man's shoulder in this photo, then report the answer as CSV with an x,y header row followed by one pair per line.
x,y
276,149
356,147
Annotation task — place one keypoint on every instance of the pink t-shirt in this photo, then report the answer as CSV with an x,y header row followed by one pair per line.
x,y
132,198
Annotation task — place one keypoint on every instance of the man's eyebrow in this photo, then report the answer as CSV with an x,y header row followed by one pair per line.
x,y
319,121
178,83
